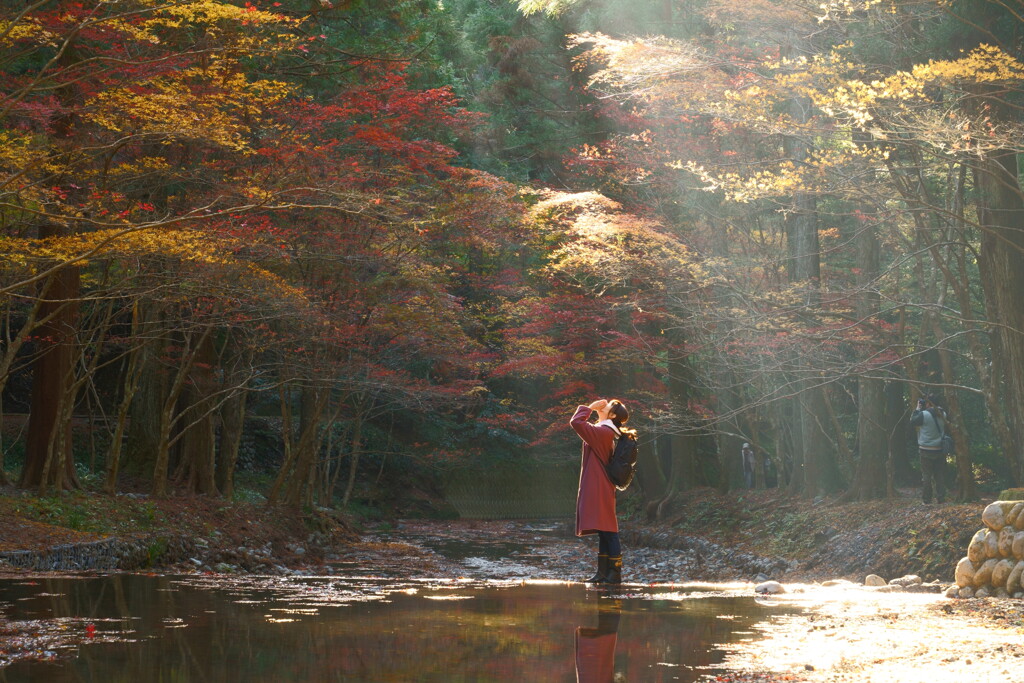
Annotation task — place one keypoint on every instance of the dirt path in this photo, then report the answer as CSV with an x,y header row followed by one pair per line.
x,y
855,635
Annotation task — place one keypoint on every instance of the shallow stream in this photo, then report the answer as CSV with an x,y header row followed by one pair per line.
x,y
134,627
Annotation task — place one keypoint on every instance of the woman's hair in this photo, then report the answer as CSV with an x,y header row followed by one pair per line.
x,y
620,416
618,412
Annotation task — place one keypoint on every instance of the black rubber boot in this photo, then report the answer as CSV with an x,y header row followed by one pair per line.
x,y
614,575
602,569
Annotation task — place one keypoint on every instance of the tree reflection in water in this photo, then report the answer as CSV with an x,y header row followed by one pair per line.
x,y
311,629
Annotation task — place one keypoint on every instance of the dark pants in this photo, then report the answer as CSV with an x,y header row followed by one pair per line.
x,y
933,479
608,543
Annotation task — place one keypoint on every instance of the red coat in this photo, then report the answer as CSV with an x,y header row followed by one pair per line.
x,y
595,501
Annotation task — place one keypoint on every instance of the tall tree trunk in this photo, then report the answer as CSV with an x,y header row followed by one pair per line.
x,y
232,422
198,445
48,441
870,481
143,428
353,465
130,385
1001,264
167,412
313,403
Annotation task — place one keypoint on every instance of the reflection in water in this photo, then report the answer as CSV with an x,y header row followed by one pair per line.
x,y
595,647
148,628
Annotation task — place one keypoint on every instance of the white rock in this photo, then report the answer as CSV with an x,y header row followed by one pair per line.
x,y
976,548
874,580
1017,547
1006,535
953,591
1001,572
965,570
991,544
1013,580
984,573
908,580
994,516
769,588
1011,517
837,582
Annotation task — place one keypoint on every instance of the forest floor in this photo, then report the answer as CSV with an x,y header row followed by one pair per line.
x,y
847,633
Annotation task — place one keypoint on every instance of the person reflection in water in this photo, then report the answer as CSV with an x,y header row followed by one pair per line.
x,y
595,647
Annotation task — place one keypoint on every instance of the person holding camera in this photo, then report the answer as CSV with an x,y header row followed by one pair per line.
x,y
595,500
930,420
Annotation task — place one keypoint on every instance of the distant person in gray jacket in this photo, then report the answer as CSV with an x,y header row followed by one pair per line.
x,y
930,421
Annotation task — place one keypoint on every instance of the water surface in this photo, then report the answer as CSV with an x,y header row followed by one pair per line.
x,y
159,628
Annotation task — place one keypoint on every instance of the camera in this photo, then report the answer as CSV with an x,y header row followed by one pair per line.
x,y
920,403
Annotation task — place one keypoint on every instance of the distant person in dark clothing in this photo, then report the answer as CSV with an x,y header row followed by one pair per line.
x,y
930,421
747,454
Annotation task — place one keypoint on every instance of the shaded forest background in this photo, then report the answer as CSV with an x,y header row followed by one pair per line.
x,y
356,251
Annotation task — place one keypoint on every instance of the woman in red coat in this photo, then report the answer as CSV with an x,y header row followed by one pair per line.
x,y
595,502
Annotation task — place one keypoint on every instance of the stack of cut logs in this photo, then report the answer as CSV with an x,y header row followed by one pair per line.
x,y
995,557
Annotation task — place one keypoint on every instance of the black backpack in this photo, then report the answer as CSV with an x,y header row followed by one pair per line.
x,y
622,465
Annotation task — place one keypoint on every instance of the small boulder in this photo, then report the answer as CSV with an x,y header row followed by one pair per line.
x,y
769,588
1013,581
966,592
953,591
983,576
982,592
874,580
993,516
965,570
1001,572
976,548
991,544
1006,535
1017,547
1014,513
908,580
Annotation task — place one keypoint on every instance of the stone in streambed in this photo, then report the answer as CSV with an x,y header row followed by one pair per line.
x,y
994,515
769,588
1017,547
1014,514
874,580
965,570
1005,541
966,592
1001,572
908,580
953,591
976,548
991,544
1013,581
982,592
983,576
